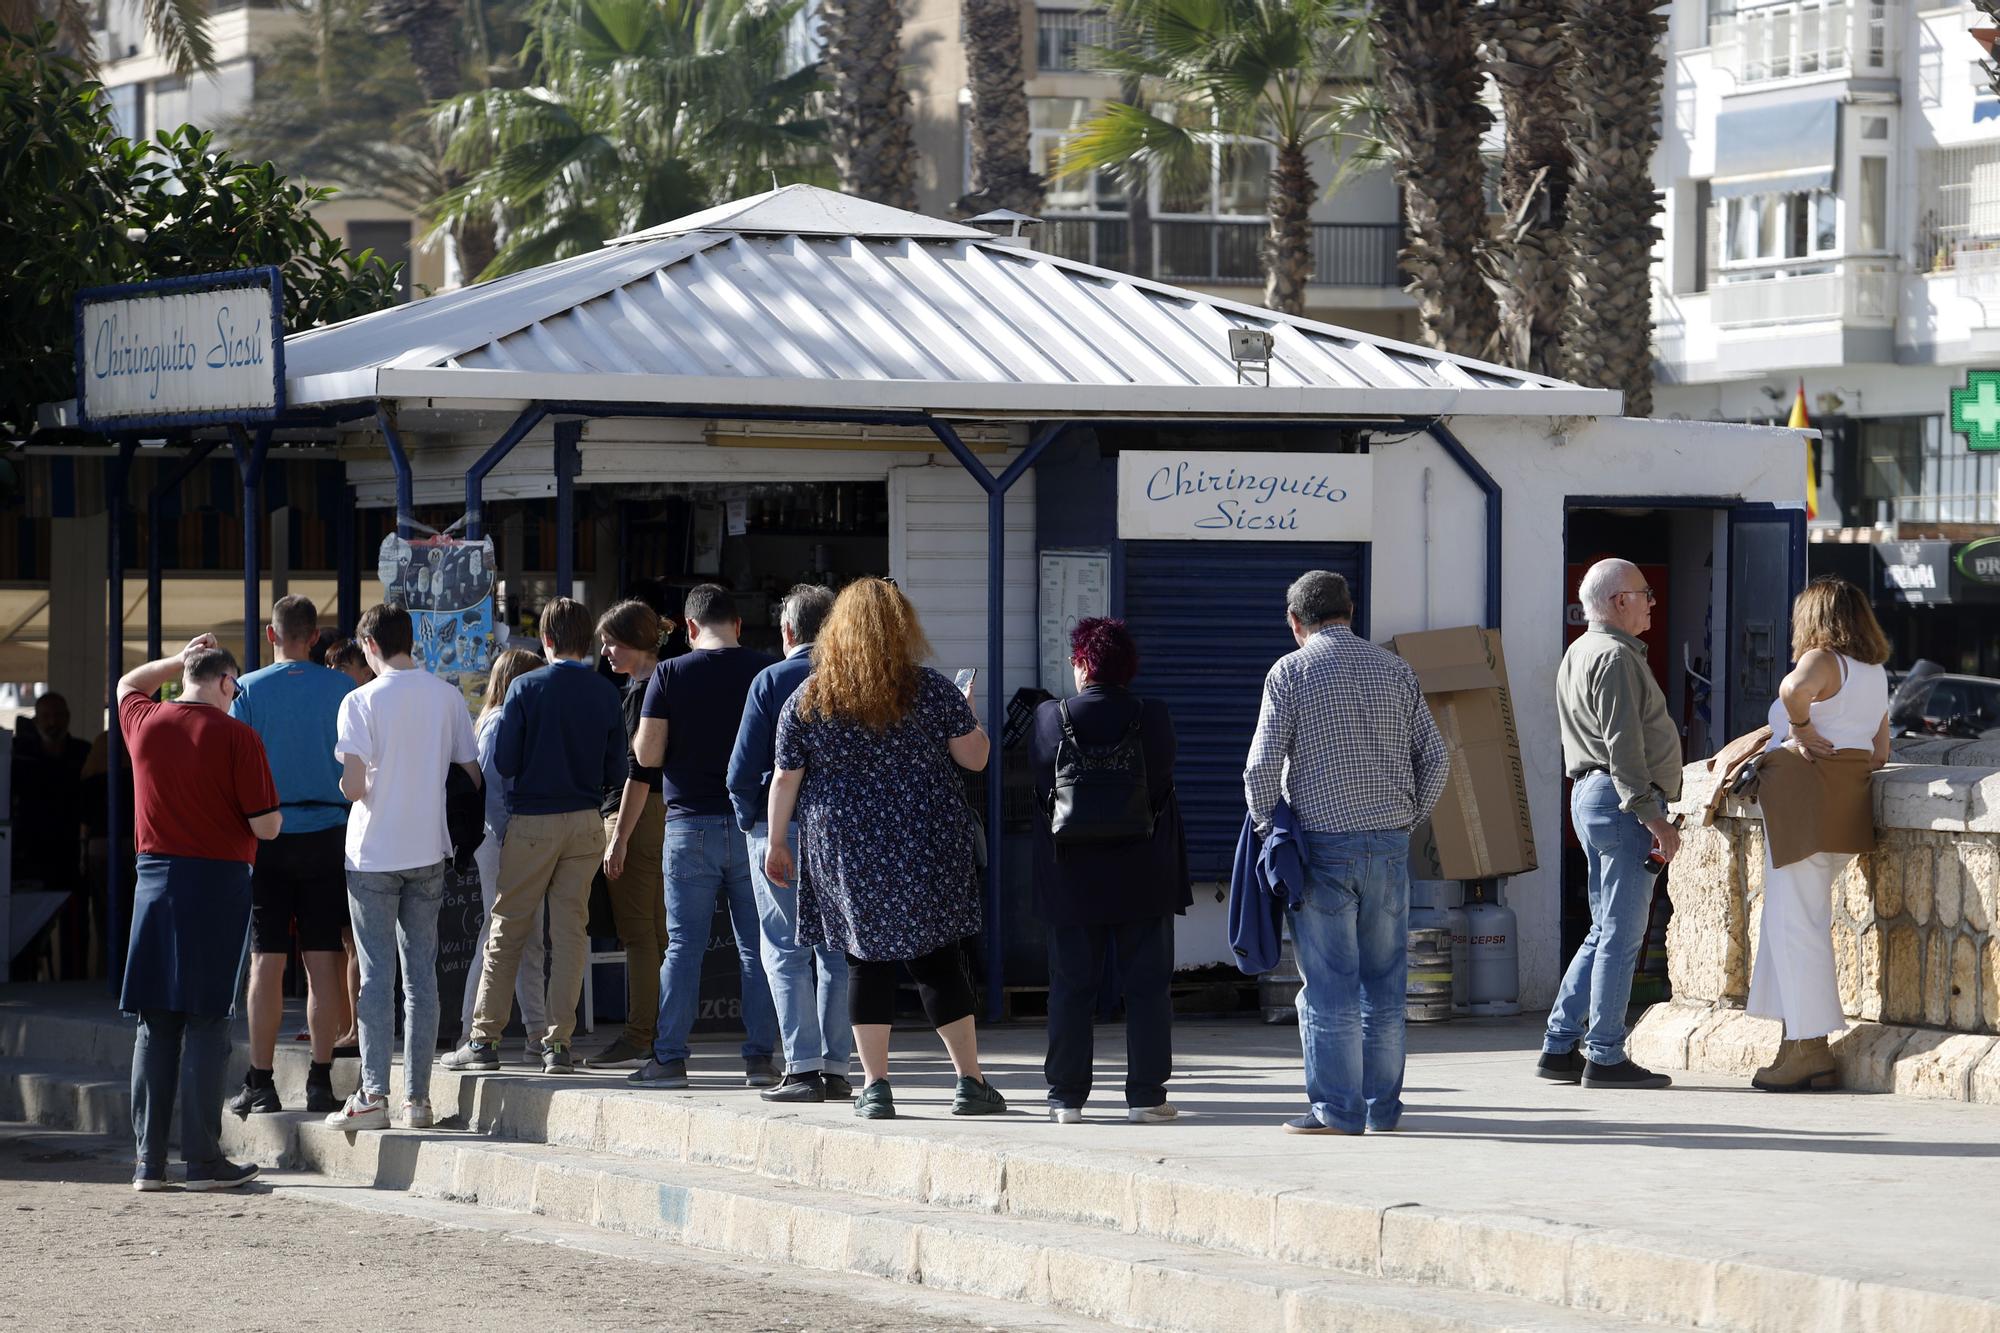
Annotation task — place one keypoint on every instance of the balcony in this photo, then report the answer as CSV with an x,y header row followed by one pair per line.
x,y
1857,292
1768,43
1062,35
1221,254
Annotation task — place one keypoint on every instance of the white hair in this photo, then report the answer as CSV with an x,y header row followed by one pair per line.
x,y
1600,585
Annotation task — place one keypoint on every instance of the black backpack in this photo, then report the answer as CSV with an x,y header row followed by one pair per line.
x,y
1100,790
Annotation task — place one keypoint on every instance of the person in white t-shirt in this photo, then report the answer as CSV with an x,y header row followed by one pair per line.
x,y
398,737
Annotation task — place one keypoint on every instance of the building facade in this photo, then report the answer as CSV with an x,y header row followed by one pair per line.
x,y
1831,171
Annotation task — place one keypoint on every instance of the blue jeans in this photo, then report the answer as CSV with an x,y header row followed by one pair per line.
x,y
1351,938
812,1019
169,1040
1599,981
706,860
395,917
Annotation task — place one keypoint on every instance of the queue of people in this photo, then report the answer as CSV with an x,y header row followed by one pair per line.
x,y
818,799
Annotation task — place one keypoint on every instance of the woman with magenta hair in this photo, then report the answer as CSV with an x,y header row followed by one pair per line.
x,y
1111,871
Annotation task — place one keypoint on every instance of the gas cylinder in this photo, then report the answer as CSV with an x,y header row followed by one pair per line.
x,y
1437,902
1493,952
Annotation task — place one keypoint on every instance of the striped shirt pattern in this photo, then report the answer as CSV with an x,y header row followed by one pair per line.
x,y
1346,738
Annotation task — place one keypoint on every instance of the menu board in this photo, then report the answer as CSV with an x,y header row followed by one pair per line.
x,y
1076,585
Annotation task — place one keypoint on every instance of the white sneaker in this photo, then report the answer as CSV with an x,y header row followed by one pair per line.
x,y
1153,1115
417,1115
1066,1115
361,1112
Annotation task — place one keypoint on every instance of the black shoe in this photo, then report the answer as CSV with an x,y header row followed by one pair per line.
x,y
224,1175
1624,1074
975,1096
1564,1068
805,1087
838,1089
255,1099
477,1056
320,1098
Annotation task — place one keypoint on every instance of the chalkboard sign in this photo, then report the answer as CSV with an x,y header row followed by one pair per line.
x,y
458,941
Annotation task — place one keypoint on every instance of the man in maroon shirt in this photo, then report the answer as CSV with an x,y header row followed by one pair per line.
x,y
204,796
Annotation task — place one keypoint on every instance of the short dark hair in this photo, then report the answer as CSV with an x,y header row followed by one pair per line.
x,y
805,610
710,604
1318,597
345,654
568,625
1105,650
295,618
633,624
389,625
210,664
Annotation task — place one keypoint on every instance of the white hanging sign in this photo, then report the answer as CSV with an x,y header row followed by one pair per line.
x,y
181,351
1185,496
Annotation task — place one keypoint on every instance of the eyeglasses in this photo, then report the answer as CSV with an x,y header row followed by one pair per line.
x,y
231,680
1647,593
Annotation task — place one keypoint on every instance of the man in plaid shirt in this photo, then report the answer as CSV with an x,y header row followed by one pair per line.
x,y
1346,739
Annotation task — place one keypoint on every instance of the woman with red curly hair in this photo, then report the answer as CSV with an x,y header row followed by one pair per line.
x,y
1110,899
868,752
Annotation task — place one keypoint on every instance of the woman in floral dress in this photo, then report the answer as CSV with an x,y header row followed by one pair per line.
x,y
868,752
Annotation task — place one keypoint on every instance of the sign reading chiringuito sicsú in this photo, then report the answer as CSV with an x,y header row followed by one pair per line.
x,y
181,351
1210,496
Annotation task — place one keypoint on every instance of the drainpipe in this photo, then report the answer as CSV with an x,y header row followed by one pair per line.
x,y
1491,490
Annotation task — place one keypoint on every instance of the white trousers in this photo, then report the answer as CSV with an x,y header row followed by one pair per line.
x,y
531,985
1793,978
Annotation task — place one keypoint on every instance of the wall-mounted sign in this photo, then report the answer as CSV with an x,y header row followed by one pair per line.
x,y
181,351
1979,562
1975,410
1916,572
1180,496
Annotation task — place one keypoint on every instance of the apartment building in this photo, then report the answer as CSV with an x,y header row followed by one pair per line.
x,y
1832,179
148,96
1206,237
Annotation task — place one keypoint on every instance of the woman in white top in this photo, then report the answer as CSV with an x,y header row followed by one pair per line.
x,y
1831,709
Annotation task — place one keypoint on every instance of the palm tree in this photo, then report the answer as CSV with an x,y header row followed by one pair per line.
x,y
999,124
867,104
1226,73
641,111
1429,81
1527,46
1608,325
179,29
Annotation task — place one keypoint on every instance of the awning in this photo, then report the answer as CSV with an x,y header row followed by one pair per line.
x,y
1776,149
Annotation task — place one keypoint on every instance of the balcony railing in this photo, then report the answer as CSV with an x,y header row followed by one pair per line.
x,y
1216,253
1851,292
1806,40
1062,34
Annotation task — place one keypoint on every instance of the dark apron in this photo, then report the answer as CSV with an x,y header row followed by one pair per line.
x,y
190,931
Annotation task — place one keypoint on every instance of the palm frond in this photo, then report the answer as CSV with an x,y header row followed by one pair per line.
x,y
180,29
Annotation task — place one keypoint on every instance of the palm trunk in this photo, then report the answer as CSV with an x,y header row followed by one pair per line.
x,y
999,130
1139,203
1527,49
1608,324
1288,257
1430,81
868,107
430,27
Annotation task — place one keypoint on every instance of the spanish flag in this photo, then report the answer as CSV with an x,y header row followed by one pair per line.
x,y
1800,421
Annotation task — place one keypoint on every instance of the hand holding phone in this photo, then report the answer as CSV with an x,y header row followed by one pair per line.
x,y
964,680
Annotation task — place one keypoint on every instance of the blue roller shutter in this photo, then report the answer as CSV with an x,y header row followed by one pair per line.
x,y
1210,619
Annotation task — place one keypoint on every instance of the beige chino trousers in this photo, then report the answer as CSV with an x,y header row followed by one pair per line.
x,y
545,859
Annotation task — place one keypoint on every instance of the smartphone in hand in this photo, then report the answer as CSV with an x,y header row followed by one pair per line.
x,y
964,679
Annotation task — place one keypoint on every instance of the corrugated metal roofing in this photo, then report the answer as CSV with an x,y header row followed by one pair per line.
x,y
741,311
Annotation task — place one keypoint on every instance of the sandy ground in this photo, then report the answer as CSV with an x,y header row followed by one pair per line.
x,y
80,1250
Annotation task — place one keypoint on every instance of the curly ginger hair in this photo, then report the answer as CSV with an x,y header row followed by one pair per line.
x,y
867,659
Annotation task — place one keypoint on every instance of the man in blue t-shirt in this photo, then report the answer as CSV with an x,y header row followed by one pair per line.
x,y
687,728
299,881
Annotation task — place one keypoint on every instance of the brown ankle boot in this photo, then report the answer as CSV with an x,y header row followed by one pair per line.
x,y
1801,1066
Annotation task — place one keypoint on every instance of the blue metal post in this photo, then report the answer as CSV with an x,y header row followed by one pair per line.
x,y
567,435
475,476
385,421
347,561
167,485
250,463
118,469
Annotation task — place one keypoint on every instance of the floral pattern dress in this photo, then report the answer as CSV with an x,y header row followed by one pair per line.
x,y
885,834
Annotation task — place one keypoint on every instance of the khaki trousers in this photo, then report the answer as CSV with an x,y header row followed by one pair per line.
x,y
639,908
545,859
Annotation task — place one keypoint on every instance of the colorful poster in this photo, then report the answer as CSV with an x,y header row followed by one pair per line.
x,y
446,584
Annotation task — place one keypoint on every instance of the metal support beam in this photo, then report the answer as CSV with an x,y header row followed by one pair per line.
x,y
568,464
385,421
347,562
250,463
475,476
114,750
996,489
1490,488
198,451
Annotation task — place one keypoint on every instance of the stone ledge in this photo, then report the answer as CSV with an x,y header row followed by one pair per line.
x,y
1874,1057
1935,797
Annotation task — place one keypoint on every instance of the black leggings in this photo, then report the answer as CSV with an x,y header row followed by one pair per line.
x,y
942,986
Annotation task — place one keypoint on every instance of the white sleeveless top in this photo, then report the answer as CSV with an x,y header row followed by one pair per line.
x,y
1850,719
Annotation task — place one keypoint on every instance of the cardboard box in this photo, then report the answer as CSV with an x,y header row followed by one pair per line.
x,y
1481,827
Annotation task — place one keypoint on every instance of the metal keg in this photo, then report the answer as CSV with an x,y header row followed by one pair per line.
x,y
1278,989
1428,990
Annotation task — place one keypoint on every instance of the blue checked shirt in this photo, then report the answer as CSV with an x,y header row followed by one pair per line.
x,y
1346,738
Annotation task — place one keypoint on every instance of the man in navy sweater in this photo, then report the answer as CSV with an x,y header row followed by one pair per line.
x,y
561,743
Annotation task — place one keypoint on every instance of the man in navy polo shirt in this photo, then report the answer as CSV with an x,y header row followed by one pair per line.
x,y
687,728
561,743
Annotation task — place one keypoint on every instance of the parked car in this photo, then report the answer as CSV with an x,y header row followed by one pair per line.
x,y
1929,701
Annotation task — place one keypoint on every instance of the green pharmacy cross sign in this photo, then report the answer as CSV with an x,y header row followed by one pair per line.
x,y
1975,410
